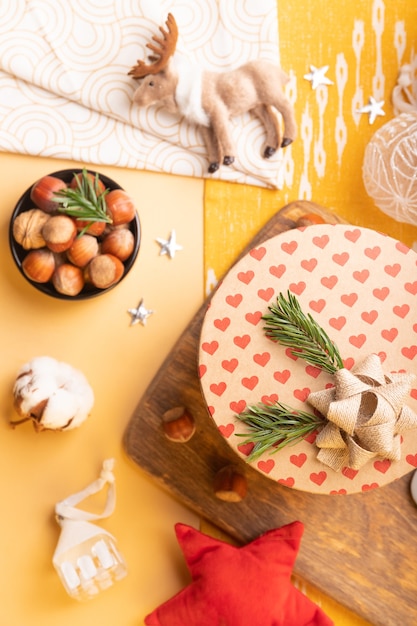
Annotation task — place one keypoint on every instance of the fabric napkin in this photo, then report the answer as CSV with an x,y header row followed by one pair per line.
x,y
65,90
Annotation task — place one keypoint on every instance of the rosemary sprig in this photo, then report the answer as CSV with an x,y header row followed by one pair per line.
x,y
291,327
276,426
86,202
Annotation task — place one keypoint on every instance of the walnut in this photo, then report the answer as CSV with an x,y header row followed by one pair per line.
x,y
27,228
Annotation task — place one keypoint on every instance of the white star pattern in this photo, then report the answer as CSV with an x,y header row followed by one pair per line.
x,y
317,76
140,314
169,246
373,108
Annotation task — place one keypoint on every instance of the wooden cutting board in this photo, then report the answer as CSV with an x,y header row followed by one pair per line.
x,y
359,549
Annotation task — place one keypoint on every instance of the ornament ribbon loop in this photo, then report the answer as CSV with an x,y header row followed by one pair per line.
x,y
366,415
67,508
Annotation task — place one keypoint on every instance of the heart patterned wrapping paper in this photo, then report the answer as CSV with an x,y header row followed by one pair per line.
x,y
65,90
361,287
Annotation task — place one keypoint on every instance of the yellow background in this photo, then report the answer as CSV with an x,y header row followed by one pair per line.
x,y
214,221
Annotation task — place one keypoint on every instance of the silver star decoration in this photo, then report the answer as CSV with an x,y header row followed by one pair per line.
x,y
317,76
140,314
169,246
374,109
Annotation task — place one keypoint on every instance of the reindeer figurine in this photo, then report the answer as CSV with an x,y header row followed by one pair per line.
x,y
210,99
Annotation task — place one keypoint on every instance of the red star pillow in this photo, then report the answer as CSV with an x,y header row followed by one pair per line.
x,y
247,586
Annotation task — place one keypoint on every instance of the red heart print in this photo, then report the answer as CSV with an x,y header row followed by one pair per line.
x,y
373,253
202,369
401,247
272,399
381,294
283,376
349,472
250,383
413,394
321,242
338,492
289,247
402,310
297,288
298,459
329,281
246,448
227,430
368,487
311,438
349,298
277,270
317,305
235,300
218,388
382,466
341,259
222,324
287,482
361,276
415,328
258,253
313,371
318,477
357,340
389,334
337,322
253,318
210,347
302,394
309,264
262,358
246,277
289,353
241,341
411,459
238,407
266,294
411,287
231,365
266,466
382,356
409,352
348,363
393,270
353,235
369,316
211,410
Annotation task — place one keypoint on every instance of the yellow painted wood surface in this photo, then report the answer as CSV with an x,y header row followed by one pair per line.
x,y
364,44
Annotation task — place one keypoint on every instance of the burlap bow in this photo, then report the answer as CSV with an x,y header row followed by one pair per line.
x,y
366,414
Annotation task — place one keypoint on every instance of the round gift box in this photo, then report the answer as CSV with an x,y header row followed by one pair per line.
x,y
361,287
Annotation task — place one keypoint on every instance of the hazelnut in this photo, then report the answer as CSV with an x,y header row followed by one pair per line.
x,y
104,271
43,191
119,242
68,279
59,232
39,265
82,250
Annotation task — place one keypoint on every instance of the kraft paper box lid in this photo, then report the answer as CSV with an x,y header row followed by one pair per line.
x,y
361,287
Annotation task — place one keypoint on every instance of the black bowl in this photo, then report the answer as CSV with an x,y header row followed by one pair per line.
x,y
19,253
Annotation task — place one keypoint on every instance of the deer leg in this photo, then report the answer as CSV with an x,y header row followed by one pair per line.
x,y
212,147
268,118
290,125
219,118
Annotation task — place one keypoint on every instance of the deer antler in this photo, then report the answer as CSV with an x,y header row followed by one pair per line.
x,y
164,50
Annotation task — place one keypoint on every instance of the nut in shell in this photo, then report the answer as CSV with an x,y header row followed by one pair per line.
x,y
27,228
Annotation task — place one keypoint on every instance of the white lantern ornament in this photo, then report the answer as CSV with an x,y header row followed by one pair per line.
x,y
87,558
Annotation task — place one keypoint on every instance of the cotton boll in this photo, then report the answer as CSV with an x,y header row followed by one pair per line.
x,y
53,394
